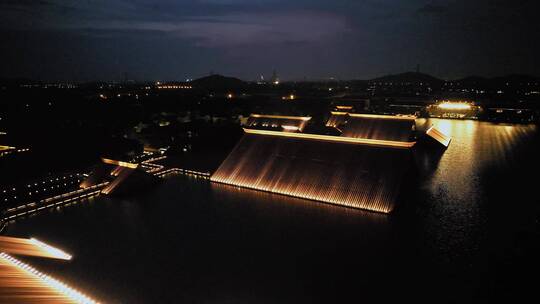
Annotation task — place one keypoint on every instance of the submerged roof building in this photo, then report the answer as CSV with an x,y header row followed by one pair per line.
x,y
362,168
357,173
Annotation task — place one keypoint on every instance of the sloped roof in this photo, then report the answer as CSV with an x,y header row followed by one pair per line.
x,y
336,119
357,173
438,136
379,127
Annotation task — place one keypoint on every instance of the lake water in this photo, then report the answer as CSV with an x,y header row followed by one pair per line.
x,y
465,231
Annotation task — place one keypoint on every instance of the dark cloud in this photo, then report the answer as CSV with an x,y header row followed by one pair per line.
x,y
317,38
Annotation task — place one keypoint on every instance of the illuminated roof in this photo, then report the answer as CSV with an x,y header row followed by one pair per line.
x,y
119,163
449,105
348,172
22,283
31,247
437,135
292,123
120,174
5,148
304,118
340,139
336,119
392,117
379,127
344,107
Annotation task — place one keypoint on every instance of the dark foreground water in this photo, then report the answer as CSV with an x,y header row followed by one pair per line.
x,y
467,231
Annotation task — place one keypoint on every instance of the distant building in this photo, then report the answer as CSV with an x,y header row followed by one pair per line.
x,y
454,109
277,122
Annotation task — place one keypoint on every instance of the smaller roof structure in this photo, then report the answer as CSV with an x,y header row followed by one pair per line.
x,y
438,136
379,127
277,122
336,119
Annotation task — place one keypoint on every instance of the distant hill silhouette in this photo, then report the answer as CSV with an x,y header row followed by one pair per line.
x,y
412,77
218,82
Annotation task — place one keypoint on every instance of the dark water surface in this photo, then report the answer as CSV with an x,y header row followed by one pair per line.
x,y
467,231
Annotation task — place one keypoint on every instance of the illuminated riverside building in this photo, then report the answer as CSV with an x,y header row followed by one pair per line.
x,y
339,115
454,109
363,168
336,119
364,174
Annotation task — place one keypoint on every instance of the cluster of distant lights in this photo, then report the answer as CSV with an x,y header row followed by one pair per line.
x,y
73,294
290,97
55,201
447,105
37,185
5,150
174,87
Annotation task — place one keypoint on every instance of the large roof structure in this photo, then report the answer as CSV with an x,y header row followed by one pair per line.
x,y
352,172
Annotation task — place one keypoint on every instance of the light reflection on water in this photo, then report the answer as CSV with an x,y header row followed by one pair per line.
x,y
248,245
463,188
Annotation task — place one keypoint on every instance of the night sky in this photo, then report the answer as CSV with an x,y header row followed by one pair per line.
x,y
301,39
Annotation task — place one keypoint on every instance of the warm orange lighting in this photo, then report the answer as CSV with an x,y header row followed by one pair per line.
x,y
119,163
350,140
404,117
6,148
331,169
290,128
290,97
55,252
31,247
454,105
439,136
22,276
305,118
229,95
